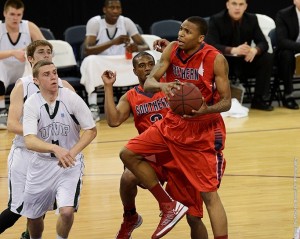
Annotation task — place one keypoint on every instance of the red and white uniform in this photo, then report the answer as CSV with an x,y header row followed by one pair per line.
x,y
148,108
196,144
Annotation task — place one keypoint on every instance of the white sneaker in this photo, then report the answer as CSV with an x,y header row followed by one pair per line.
x,y
95,112
3,118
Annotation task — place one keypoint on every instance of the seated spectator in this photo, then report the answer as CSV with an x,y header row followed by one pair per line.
x,y
288,44
232,31
109,35
15,35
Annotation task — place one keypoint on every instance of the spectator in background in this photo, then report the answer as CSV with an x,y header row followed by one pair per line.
x,y
288,44
232,31
107,35
15,35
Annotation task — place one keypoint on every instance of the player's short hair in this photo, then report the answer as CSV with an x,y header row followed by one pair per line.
x,y
30,49
17,4
106,2
140,54
38,65
200,22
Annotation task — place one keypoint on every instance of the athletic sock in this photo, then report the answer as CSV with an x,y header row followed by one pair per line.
x,y
59,237
222,237
92,99
160,194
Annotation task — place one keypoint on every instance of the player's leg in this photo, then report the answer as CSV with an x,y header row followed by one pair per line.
x,y
36,227
128,192
216,213
65,221
7,219
150,143
17,164
170,209
198,229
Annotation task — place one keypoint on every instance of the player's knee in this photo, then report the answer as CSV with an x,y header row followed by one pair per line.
x,y
210,198
128,178
126,155
66,213
192,220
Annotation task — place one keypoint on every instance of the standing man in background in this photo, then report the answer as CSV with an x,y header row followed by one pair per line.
x,y
15,35
288,44
109,35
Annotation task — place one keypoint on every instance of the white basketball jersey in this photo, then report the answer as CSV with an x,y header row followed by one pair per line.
x,y
58,125
104,36
29,88
13,67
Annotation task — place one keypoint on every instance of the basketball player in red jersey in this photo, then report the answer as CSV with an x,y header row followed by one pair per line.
x,y
147,108
195,141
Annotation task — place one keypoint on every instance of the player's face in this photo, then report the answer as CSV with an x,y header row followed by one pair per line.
x,y
189,37
47,79
143,68
13,17
41,53
112,11
236,8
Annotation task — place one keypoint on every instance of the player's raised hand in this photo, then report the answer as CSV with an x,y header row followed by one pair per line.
x,y
109,77
160,44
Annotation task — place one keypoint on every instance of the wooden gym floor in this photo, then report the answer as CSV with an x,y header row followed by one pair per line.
x,y
257,188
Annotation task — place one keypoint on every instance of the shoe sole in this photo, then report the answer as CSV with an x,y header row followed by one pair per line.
x,y
168,228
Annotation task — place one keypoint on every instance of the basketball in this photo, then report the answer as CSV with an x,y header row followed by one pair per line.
x,y
186,99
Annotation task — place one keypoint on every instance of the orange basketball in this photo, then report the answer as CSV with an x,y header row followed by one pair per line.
x,y
186,99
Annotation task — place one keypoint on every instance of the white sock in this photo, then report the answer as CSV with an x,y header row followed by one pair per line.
x,y
59,237
35,238
2,103
92,99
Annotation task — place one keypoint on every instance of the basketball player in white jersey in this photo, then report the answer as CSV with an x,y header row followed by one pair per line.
x,y
108,35
19,156
15,35
53,119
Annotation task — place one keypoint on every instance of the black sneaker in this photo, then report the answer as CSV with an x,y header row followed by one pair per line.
x,y
259,104
25,235
290,103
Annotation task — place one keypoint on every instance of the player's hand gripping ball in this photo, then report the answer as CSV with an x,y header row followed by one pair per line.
x,y
186,99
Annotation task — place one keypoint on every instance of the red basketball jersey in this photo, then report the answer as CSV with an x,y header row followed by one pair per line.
x,y
197,68
147,108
